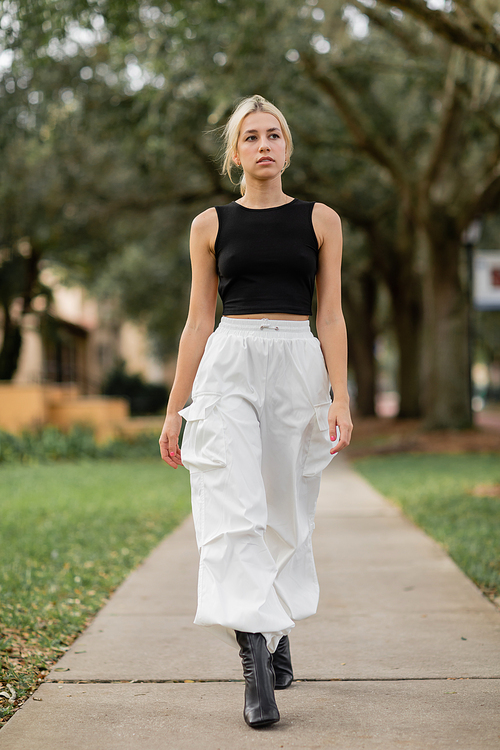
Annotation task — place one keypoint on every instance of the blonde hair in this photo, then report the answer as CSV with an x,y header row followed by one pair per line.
x,y
232,129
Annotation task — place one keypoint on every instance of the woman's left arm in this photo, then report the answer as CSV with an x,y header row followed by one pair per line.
x,y
330,322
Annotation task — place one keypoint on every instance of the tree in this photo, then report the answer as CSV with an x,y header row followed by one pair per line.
x,y
442,185
381,122
88,175
466,24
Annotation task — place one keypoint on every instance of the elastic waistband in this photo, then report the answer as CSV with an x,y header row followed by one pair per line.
x,y
265,328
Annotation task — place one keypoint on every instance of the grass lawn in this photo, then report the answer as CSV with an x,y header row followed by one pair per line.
x,y
69,535
454,498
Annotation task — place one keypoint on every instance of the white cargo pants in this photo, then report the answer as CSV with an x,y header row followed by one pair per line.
x,y
255,443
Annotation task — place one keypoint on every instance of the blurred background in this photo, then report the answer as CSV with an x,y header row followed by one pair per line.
x,y
110,113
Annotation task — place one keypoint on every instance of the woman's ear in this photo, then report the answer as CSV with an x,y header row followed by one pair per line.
x,y
236,160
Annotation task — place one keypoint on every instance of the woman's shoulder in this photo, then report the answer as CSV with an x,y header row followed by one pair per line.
x,y
208,216
205,221
325,213
326,222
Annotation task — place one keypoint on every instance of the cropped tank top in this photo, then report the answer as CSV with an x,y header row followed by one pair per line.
x,y
267,258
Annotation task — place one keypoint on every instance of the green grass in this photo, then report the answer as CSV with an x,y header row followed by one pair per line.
x,y
434,491
69,535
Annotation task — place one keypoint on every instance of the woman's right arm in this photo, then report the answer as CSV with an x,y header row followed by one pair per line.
x,y
199,326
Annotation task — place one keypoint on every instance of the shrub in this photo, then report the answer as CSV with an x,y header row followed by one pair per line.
x,y
144,398
52,444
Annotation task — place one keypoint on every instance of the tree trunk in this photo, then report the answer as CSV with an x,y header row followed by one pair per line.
x,y
408,328
359,308
394,249
11,347
446,358
363,363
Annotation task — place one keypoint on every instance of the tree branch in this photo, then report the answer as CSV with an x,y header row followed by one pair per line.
x,y
450,119
473,16
358,124
480,37
489,200
487,188
386,22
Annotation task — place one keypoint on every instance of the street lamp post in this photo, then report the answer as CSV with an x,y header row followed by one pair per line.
x,y
470,239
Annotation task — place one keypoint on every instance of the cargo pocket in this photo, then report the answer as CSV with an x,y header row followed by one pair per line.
x,y
203,445
318,454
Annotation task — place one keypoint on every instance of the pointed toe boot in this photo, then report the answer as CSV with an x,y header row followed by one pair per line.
x,y
260,706
282,664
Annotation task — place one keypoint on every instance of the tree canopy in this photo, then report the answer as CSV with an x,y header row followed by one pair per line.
x,y
109,114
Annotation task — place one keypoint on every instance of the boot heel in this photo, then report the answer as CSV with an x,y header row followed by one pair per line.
x,y
282,664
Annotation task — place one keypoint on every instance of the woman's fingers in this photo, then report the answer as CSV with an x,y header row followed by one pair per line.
x,y
335,439
173,460
341,431
340,425
170,451
175,456
164,451
169,440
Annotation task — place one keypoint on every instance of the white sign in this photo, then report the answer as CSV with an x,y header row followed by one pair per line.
x,y
486,286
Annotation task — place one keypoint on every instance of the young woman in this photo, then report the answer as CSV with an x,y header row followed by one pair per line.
x,y
260,427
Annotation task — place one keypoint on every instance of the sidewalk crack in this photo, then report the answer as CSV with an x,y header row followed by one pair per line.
x,y
305,679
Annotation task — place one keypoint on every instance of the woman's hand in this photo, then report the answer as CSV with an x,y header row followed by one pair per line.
x,y
169,440
339,416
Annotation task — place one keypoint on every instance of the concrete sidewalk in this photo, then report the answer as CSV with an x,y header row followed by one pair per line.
x,y
404,652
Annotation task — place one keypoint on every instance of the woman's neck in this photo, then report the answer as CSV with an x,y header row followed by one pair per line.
x,y
259,194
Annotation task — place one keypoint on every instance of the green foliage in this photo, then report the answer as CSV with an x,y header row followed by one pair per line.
x,y
69,536
52,444
108,139
113,135
144,398
435,492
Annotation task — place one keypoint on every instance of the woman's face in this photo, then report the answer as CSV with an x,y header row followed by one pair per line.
x,y
261,145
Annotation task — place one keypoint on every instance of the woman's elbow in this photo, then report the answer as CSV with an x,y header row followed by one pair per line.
x,y
200,325
329,321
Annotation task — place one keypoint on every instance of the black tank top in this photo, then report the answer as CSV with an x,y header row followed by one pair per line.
x,y
267,258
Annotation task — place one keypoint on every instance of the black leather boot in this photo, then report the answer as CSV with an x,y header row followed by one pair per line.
x,y
260,706
282,664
